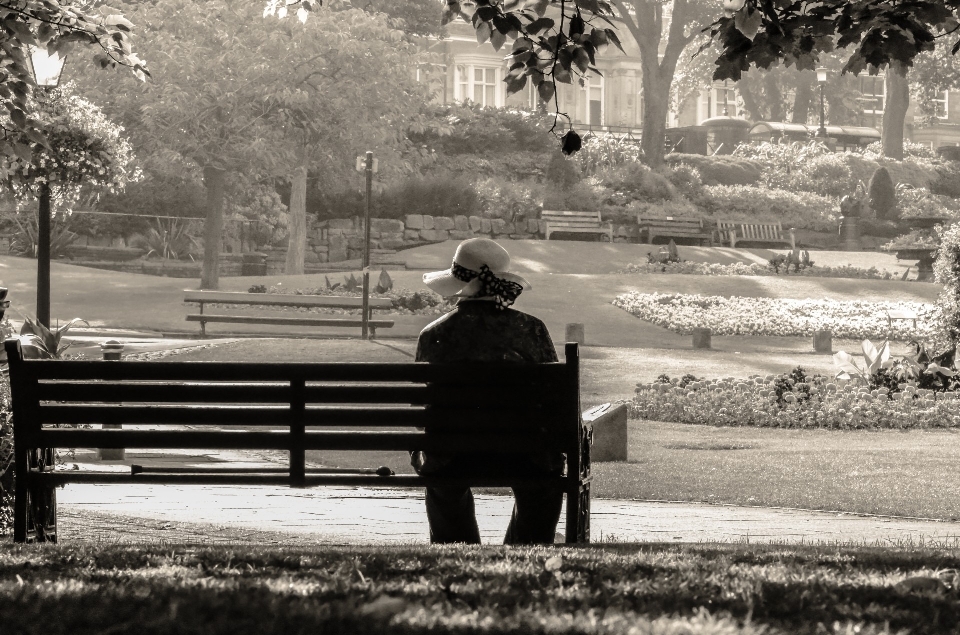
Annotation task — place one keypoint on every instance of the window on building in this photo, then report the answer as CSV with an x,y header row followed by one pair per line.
x,y
593,100
872,94
718,101
941,105
479,84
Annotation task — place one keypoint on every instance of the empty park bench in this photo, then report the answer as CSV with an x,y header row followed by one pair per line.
x,y
674,227
284,300
734,231
292,407
904,315
576,222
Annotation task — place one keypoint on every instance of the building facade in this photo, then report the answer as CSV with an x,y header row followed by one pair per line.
x,y
465,70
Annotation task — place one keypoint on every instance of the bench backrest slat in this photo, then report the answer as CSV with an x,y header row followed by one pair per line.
x,y
280,299
392,372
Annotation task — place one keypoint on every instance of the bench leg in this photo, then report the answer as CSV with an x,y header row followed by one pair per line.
x,y
35,505
20,497
373,332
578,514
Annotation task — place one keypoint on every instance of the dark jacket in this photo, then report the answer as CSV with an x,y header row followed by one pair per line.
x,y
477,331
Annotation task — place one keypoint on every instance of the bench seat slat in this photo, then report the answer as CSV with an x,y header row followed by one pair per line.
x,y
400,480
281,299
396,372
282,440
277,415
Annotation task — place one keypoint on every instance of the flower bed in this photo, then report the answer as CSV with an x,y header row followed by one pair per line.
x,y
682,313
775,401
754,269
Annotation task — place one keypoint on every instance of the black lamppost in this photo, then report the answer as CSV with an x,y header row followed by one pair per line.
x,y
822,80
46,69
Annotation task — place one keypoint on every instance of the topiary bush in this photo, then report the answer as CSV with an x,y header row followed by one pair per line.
x,y
882,195
719,169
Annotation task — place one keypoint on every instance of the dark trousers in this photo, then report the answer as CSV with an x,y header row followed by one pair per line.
x,y
451,512
536,511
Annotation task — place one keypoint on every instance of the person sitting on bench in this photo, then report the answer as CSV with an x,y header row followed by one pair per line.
x,y
482,327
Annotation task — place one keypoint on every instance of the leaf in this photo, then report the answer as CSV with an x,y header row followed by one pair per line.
x,y
484,30
553,564
497,39
546,90
570,143
542,24
748,23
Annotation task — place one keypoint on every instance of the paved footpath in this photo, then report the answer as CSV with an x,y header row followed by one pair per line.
x,y
347,515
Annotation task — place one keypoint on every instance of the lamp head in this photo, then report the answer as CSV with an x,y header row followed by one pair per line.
x,y
45,67
822,75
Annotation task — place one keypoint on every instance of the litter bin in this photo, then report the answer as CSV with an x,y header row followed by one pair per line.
x,y
253,264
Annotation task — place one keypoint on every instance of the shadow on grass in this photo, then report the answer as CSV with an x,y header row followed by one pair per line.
x,y
607,588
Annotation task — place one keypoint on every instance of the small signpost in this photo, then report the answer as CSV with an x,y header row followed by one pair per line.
x,y
368,165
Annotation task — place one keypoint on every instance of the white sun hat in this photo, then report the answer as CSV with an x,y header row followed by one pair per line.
x,y
472,255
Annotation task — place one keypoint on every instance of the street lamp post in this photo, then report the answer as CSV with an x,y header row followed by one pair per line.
x,y
822,80
46,69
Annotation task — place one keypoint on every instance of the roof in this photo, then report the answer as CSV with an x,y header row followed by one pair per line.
x,y
767,127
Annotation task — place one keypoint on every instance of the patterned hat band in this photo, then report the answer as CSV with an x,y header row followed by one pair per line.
x,y
504,292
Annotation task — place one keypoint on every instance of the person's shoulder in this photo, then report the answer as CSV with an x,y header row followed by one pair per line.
x,y
530,321
440,321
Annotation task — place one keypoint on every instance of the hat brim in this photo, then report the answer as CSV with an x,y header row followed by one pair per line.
x,y
448,285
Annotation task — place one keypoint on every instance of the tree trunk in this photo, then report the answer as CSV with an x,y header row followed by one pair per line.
x,y
774,98
215,181
894,110
297,228
802,99
656,104
750,102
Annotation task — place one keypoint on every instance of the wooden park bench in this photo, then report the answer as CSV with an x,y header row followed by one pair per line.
x,y
901,314
576,222
674,227
293,407
284,300
734,231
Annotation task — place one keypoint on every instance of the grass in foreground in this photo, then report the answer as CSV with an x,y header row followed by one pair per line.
x,y
696,589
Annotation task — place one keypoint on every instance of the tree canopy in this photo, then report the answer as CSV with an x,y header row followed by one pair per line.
x,y
57,26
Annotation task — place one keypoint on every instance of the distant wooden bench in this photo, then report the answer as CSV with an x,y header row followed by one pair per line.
x,y
901,314
293,407
283,300
734,231
576,222
673,227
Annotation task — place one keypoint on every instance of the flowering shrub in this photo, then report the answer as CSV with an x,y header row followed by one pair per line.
x,y
855,319
86,150
6,458
794,401
946,271
754,269
603,151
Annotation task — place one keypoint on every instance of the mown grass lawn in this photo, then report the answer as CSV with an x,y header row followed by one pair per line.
x,y
669,589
